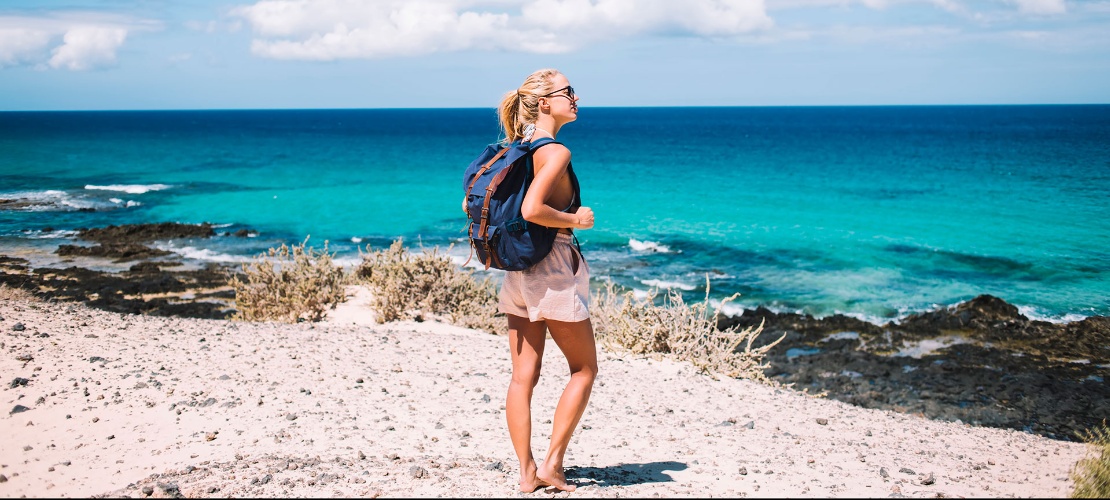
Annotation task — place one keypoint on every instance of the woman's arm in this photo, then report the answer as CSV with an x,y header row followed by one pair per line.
x,y
550,165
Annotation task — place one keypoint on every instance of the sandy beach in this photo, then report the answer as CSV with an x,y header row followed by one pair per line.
x,y
100,403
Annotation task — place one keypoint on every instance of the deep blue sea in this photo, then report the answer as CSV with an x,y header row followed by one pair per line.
x,y
875,212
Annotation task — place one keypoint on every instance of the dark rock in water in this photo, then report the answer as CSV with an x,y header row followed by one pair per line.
x,y
121,252
981,313
242,233
145,267
17,204
139,233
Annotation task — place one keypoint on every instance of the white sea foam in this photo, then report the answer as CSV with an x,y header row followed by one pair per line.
x,y
648,246
1036,315
117,201
356,239
668,285
925,347
129,188
132,203
842,336
205,254
47,235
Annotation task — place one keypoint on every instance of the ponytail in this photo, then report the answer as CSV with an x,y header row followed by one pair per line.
x,y
520,107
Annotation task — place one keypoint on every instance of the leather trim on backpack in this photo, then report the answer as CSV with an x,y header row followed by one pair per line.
x,y
485,209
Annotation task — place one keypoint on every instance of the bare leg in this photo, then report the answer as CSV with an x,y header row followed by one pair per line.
x,y
526,342
576,340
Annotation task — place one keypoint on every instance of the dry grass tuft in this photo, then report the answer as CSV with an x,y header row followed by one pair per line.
x,y
15,293
1092,474
683,332
288,284
428,285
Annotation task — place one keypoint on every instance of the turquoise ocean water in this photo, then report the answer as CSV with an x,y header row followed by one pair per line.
x,y
875,212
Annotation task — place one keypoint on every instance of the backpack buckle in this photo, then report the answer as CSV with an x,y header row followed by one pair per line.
x,y
516,225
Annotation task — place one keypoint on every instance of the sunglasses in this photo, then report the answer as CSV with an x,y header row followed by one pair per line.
x,y
568,95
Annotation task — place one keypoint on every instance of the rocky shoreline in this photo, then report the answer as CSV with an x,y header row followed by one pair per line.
x,y
980,362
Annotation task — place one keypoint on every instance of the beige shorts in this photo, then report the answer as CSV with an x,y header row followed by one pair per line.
x,y
558,288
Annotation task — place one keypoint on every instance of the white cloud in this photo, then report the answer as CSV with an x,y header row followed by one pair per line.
x,y
1041,6
345,29
73,41
87,47
22,46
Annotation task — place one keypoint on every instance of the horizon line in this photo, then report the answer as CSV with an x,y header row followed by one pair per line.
x,y
460,108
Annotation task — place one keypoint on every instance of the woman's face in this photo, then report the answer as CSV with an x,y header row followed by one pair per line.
x,y
563,102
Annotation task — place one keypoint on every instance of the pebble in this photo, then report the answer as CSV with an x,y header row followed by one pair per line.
x,y
25,358
18,327
148,490
928,479
823,421
418,472
361,455
27,448
750,424
495,466
96,359
18,409
906,470
3,478
743,471
290,416
883,472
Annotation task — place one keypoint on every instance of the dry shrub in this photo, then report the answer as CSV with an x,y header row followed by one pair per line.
x,y
15,293
428,285
1092,474
683,332
288,284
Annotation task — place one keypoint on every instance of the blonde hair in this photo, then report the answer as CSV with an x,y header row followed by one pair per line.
x,y
520,107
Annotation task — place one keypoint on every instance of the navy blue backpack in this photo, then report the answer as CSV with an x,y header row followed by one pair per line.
x,y
495,184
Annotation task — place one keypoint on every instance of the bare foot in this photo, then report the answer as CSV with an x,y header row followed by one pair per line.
x,y
528,480
554,477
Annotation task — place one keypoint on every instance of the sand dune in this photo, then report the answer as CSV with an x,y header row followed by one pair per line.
x,y
103,403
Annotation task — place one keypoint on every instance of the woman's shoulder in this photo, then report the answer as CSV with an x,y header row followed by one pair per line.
x,y
552,151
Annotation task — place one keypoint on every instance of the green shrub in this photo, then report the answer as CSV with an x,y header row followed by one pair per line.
x,y
680,331
288,284
1092,474
428,285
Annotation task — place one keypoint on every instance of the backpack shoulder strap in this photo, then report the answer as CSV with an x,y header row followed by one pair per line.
x,y
484,168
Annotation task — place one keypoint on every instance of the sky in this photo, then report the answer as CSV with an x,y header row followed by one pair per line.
x,y
228,54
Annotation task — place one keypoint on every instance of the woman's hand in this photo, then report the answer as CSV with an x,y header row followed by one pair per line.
x,y
585,217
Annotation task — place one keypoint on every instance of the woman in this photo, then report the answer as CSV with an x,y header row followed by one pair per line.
x,y
553,294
